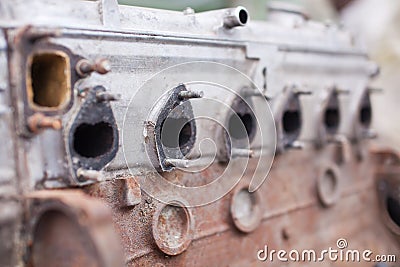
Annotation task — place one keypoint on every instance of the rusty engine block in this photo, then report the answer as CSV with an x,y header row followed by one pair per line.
x,y
145,137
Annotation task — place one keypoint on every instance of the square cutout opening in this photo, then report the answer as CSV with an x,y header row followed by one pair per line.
x,y
48,80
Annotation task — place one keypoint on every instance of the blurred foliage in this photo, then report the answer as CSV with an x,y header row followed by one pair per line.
x,y
198,5
257,8
318,9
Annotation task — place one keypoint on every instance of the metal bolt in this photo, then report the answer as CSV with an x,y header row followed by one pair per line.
x,y
190,94
295,145
188,11
302,92
342,91
106,97
102,66
89,174
248,92
85,67
375,90
242,153
38,122
180,163
370,134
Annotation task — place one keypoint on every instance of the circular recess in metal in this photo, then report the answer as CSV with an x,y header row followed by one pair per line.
x,y
173,228
328,185
245,210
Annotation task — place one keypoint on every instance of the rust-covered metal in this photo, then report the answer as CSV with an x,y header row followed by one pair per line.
x,y
70,229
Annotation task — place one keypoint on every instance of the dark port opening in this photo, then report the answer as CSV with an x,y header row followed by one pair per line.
x,y
243,16
176,132
241,126
291,122
365,116
393,208
93,140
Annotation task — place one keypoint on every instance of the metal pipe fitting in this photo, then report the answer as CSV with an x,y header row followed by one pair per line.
x,y
234,17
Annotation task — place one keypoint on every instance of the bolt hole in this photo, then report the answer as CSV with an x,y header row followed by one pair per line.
x,y
49,82
243,16
93,140
332,115
365,114
291,121
332,119
176,132
393,208
241,125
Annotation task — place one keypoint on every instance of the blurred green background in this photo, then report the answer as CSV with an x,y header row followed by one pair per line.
x,y
318,9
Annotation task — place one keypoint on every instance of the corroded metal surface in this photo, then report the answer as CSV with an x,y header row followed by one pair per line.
x,y
71,229
107,113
